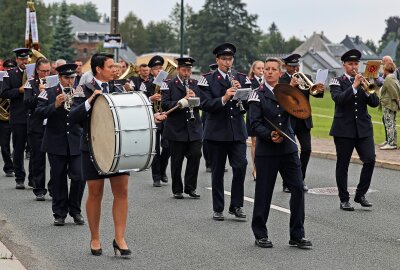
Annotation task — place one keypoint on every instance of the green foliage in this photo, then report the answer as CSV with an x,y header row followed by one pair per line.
x,y
62,37
134,34
370,43
12,21
161,37
223,21
86,11
392,32
273,41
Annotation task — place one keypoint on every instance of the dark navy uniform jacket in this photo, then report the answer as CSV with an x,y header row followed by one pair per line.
x,y
12,80
351,119
60,135
78,113
35,121
178,126
262,103
285,78
255,83
224,122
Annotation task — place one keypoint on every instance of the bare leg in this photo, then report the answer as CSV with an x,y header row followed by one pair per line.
x,y
119,186
93,210
253,149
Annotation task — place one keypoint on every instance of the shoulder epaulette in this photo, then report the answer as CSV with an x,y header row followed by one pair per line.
x,y
253,97
334,81
203,81
164,86
78,92
43,95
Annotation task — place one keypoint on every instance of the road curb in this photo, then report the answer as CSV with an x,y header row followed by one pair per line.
x,y
8,261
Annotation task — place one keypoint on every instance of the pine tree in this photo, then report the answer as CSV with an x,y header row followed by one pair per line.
x,y
62,37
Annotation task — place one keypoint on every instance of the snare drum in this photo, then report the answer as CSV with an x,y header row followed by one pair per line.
x,y
122,132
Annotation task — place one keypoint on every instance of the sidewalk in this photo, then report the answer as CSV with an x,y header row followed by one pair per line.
x,y
325,148
8,261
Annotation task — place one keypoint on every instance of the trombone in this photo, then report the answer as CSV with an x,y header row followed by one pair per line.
x,y
305,84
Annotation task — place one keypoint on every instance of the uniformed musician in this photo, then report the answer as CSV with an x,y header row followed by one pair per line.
x,y
301,127
183,132
13,89
61,142
144,75
274,153
36,125
160,160
102,69
5,130
352,128
225,130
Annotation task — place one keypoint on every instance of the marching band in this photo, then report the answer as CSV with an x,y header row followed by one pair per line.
x,y
184,115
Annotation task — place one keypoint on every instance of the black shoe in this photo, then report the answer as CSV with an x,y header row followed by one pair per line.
x,y
178,196
193,194
95,252
208,169
156,183
31,184
300,243
363,201
40,197
218,216
264,243
346,206
305,188
122,252
59,221
164,179
10,174
285,189
237,211
78,219
20,186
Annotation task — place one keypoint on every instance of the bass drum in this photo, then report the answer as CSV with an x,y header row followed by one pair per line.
x,y
122,132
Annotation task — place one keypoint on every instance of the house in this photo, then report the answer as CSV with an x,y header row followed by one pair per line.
x,y
391,50
88,35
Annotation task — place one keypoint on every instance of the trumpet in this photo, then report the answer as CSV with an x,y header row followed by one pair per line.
x,y
367,86
305,84
239,102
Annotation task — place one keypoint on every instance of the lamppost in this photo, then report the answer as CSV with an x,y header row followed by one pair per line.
x,y
182,24
114,23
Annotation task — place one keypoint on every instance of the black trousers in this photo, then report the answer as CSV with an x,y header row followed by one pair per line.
x,y
267,170
37,163
160,160
303,135
64,202
236,152
19,138
192,152
366,150
205,148
5,140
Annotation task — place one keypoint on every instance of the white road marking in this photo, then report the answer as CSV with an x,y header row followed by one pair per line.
x,y
331,117
248,199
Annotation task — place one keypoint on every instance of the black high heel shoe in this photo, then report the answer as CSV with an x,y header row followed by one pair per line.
x,y
122,252
95,252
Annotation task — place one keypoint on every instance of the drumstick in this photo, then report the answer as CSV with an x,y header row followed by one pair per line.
x,y
182,103
280,131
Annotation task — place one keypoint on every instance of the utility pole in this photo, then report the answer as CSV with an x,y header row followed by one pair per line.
x,y
114,24
182,26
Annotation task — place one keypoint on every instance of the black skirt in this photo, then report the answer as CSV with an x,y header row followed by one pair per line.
x,y
89,171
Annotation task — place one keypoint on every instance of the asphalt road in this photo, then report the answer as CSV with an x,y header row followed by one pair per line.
x,y
165,233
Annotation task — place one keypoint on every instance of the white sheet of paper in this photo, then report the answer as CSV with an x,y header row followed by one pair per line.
x,y
160,77
30,70
51,81
322,75
242,94
2,73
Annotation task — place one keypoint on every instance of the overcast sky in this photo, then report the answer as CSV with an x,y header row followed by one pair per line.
x,y
335,18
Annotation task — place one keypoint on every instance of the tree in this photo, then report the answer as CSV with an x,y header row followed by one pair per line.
x,y
12,21
223,21
62,36
86,11
175,22
292,44
392,26
134,34
370,43
273,42
161,37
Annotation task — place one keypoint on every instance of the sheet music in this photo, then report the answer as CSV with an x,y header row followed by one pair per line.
x,y
242,94
2,73
160,77
322,75
30,70
51,81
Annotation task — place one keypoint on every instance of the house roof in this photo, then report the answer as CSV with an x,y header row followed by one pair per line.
x,y
357,43
79,25
317,42
390,49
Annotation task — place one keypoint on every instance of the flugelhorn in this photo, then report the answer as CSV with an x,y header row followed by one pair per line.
x,y
305,84
69,92
367,86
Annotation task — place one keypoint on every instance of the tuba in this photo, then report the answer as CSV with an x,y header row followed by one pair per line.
x,y
305,84
171,70
131,71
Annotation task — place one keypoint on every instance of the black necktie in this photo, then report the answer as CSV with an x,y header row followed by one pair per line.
x,y
352,80
105,87
260,80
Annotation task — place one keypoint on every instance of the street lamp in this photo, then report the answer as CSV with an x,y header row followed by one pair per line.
x,y
182,22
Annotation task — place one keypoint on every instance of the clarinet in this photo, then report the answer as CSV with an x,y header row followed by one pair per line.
x,y
239,103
